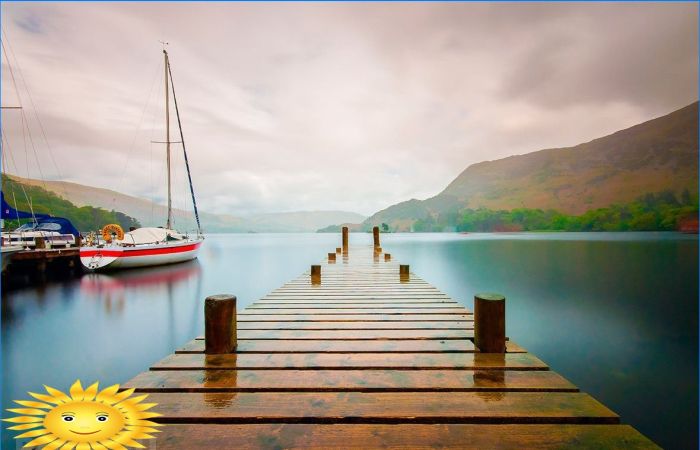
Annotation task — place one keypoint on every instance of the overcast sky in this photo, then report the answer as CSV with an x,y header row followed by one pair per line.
x,y
331,106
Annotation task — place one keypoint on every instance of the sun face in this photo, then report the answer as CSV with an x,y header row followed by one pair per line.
x,y
87,419
84,421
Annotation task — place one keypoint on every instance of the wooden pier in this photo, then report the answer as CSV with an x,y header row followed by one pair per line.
x,y
365,354
29,266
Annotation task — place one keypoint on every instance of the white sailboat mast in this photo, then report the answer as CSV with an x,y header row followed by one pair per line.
x,y
168,225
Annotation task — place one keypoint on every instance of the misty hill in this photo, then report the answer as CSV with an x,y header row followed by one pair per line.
x,y
149,213
655,156
84,218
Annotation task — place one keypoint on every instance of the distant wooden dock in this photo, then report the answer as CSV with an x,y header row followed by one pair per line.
x,y
29,266
367,357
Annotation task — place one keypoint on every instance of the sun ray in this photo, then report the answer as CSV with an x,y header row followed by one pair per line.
x,y
54,445
144,429
114,445
33,433
145,406
106,393
90,392
28,411
76,391
87,419
135,400
46,398
124,394
31,404
58,395
23,419
41,440
25,426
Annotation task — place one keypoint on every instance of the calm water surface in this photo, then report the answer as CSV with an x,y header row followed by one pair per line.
x,y
617,314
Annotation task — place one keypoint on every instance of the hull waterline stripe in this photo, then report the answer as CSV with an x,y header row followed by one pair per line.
x,y
144,252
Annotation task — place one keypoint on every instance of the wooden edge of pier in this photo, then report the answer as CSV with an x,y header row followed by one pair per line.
x,y
362,353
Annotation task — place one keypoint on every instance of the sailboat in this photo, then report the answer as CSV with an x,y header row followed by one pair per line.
x,y
149,246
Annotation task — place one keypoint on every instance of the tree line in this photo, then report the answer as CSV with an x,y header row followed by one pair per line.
x,y
84,218
663,211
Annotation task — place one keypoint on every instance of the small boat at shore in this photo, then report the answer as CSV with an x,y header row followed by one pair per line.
x,y
148,246
41,231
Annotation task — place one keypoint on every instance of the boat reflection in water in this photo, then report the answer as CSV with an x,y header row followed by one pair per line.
x,y
146,278
157,285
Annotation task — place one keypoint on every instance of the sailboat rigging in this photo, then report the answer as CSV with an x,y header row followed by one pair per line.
x,y
150,246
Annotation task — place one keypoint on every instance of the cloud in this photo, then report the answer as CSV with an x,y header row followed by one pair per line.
x,y
335,106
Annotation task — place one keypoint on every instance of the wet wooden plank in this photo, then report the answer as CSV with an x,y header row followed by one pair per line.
x,y
338,325
382,407
354,305
373,310
364,283
376,380
323,346
354,334
329,361
323,301
452,436
351,295
336,289
357,317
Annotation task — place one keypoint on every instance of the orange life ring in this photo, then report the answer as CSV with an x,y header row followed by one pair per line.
x,y
112,229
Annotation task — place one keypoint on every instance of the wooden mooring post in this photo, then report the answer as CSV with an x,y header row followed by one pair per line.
x,y
220,335
331,258
315,274
345,240
375,235
364,360
490,322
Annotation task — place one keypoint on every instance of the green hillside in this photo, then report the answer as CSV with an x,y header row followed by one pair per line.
x,y
657,156
652,212
85,218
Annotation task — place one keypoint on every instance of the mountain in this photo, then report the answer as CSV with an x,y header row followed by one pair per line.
x,y
301,220
654,156
149,213
36,199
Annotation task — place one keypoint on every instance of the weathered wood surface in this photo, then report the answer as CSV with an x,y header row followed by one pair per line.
x,y
353,335
328,361
47,254
355,436
244,380
366,358
340,325
350,346
381,407
365,316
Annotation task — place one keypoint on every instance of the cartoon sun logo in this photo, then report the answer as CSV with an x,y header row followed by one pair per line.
x,y
87,419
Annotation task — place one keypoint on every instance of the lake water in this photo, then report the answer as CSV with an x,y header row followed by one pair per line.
x,y
616,314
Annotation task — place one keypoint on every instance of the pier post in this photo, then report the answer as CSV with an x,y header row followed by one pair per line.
x,y
345,239
490,323
331,257
404,273
387,257
315,274
338,250
375,235
39,242
220,324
